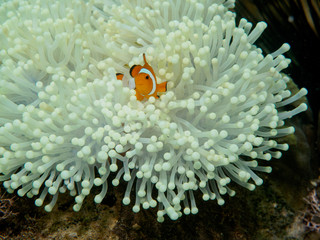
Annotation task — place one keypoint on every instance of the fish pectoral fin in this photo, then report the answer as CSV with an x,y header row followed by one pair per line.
x,y
162,87
134,70
119,76
139,96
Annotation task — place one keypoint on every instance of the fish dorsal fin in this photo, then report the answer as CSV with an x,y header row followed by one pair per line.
x,y
145,60
147,66
134,70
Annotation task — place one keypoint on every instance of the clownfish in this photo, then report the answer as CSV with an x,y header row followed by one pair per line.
x,y
144,81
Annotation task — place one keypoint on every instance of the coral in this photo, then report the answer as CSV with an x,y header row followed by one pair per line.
x,y
67,123
311,215
6,207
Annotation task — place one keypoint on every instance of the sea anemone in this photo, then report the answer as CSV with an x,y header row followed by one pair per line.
x,y
67,123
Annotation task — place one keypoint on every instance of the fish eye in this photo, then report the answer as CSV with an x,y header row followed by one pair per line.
x,y
147,77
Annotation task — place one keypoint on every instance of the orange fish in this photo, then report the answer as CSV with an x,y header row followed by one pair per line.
x,y
144,81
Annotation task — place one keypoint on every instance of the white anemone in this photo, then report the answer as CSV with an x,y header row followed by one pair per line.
x,y
66,122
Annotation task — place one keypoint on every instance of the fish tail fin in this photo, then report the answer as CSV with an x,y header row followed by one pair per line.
x,y
162,87
119,76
